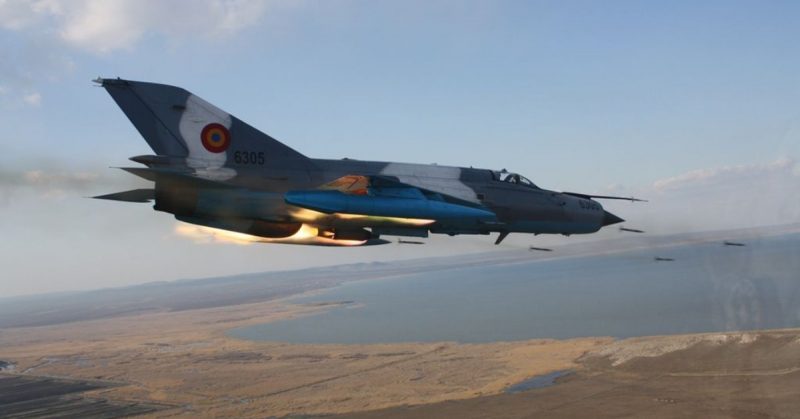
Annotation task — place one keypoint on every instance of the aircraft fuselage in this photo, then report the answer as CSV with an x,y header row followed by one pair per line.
x,y
212,169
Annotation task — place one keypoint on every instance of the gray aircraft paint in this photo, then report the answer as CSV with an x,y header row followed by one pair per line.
x,y
443,179
241,185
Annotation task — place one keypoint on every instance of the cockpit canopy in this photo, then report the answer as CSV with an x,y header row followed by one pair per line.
x,y
514,178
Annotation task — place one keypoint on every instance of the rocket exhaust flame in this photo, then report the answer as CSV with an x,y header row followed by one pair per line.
x,y
208,235
323,218
307,234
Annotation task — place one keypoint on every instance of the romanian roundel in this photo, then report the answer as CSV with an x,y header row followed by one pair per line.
x,y
215,137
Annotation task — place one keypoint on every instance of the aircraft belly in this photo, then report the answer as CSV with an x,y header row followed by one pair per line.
x,y
553,227
256,205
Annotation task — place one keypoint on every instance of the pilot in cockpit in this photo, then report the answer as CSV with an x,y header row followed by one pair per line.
x,y
515,179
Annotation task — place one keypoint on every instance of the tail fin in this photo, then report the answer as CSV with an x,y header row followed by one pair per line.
x,y
176,123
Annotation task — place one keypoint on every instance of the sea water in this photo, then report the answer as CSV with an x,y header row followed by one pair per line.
x,y
708,287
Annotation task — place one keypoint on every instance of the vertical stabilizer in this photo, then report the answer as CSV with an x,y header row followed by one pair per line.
x,y
176,123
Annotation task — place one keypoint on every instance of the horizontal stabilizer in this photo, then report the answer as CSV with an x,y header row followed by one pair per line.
x,y
134,195
158,174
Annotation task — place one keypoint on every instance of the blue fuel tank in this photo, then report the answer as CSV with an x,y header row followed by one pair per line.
x,y
328,201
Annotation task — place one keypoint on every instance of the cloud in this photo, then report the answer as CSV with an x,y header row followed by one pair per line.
x,y
717,198
21,14
43,180
46,184
56,184
102,26
33,99
40,39
783,166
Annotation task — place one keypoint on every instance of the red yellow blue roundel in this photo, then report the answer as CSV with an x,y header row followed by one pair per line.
x,y
215,137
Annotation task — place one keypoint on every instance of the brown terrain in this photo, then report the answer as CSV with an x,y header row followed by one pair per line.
x,y
176,364
730,375
184,361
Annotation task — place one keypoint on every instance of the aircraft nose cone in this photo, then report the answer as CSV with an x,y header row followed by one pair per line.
x,y
609,218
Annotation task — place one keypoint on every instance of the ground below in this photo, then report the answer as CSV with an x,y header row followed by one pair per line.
x,y
182,364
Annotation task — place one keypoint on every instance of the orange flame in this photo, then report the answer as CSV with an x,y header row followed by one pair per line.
x,y
307,234
308,215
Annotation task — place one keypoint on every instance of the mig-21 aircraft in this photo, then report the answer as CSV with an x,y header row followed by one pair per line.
x,y
214,170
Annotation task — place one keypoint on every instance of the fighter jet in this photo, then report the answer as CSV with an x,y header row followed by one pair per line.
x,y
214,170
660,259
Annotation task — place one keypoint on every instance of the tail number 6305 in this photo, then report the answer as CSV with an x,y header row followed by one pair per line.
x,y
249,157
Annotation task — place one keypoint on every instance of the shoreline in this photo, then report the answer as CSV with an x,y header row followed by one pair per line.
x,y
186,359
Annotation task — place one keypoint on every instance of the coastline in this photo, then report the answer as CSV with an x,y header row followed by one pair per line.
x,y
186,360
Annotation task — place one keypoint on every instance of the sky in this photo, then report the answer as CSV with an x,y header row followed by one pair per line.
x,y
692,105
